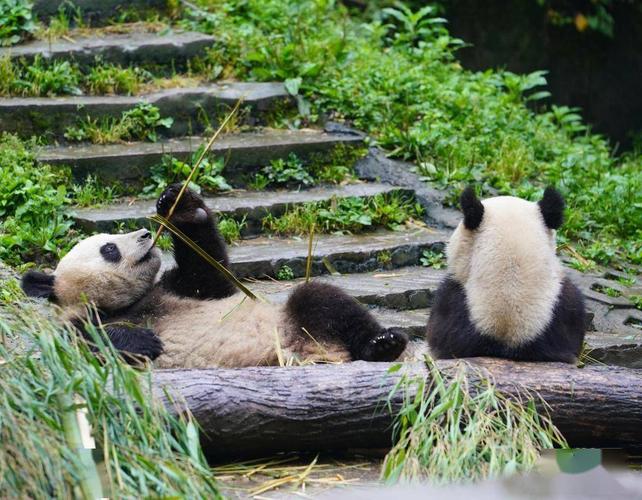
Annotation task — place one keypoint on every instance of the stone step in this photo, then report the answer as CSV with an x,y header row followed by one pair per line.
x,y
96,12
51,116
265,256
399,289
243,153
251,205
137,47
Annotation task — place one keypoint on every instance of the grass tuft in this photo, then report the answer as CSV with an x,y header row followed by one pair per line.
x,y
459,427
50,383
352,214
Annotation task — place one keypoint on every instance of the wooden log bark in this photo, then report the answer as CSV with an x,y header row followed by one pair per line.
x,y
258,411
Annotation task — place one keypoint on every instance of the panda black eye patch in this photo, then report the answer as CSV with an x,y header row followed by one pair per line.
x,y
110,252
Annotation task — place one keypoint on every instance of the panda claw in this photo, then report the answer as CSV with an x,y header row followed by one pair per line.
x,y
385,347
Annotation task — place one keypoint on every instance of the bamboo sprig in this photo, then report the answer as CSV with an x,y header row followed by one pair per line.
x,y
308,264
208,258
200,159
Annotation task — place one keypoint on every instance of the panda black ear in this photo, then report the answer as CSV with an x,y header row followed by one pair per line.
x,y
37,284
552,208
472,208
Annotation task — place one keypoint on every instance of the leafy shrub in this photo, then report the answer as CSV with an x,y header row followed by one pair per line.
x,y
208,177
433,258
283,173
33,198
285,273
16,21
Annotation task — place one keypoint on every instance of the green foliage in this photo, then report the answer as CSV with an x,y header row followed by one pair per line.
x,y
111,79
50,379
283,173
231,228
44,78
433,258
334,167
459,427
138,123
38,78
34,224
395,76
352,214
16,21
208,177
285,273
93,192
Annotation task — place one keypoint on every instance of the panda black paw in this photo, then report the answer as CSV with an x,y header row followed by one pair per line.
x,y
190,208
143,343
386,346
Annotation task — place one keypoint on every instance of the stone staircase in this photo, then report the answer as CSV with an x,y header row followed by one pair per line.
x,y
381,269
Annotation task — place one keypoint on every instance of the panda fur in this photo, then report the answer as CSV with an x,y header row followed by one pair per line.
x,y
506,294
192,316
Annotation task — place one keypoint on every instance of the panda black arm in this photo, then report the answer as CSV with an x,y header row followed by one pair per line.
x,y
131,342
193,276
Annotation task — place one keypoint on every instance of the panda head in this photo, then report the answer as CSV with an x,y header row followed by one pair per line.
x,y
505,234
112,271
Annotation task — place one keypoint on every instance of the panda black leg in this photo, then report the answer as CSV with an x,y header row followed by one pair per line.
x,y
193,276
328,313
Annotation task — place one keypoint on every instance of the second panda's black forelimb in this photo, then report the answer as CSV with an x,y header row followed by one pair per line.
x,y
326,312
194,276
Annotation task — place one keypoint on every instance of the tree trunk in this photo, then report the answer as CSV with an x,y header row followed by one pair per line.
x,y
262,410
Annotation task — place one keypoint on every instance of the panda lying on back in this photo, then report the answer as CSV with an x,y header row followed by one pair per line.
x,y
193,317
506,294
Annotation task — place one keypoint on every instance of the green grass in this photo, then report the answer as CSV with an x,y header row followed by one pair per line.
x,y
395,75
139,123
42,78
48,379
452,429
352,215
231,228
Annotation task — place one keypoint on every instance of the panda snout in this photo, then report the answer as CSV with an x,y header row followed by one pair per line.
x,y
147,235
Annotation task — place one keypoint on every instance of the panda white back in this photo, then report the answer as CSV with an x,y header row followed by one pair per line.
x,y
506,293
512,276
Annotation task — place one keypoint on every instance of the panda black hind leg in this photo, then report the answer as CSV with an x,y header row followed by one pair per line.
x,y
326,313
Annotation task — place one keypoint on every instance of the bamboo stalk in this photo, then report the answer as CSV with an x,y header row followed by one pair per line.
x,y
308,264
196,165
90,484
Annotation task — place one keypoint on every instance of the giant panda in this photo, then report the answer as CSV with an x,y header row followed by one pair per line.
x,y
192,316
505,294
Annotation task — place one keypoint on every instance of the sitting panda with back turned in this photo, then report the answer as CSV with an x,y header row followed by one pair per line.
x,y
506,294
193,317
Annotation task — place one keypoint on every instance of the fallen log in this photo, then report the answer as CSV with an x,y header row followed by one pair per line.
x,y
262,410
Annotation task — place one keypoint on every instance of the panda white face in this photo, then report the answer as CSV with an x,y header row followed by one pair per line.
x,y
113,271
503,254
